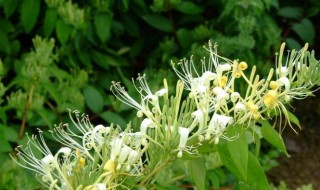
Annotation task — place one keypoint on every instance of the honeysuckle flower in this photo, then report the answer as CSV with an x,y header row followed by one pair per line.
x,y
184,134
217,126
145,124
49,168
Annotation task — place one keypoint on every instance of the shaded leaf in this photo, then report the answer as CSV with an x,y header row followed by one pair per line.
x,y
9,7
159,22
189,8
290,12
4,42
63,31
94,99
114,118
102,23
50,20
293,44
29,13
305,30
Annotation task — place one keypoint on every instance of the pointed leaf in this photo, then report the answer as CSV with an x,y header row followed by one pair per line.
x,y
63,31
272,136
234,154
198,172
29,13
159,22
4,42
305,30
9,7
189,8
50,20
114,118
102,24
94,99
256,176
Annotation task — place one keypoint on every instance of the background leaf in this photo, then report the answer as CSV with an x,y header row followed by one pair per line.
x,y
305,30
159,22
114,118
50,20
29,13
102,24
93,98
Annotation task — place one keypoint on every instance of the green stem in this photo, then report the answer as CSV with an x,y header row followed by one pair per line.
x,y
155,171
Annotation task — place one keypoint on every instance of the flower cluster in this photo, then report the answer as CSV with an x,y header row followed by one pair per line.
x,y
93,157
171,126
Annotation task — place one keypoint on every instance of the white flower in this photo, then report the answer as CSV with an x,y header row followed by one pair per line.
x,y
217,125
184,134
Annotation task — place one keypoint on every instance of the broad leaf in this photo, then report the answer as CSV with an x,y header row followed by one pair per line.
x,y
94,99
63,31
305,30
50,20
4,42
272,136
29,13
114,118
256,175
102,24
159,22
198,172
189,8
234,154
9,7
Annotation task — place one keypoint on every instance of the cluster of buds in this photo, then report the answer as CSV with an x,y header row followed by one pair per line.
x,y
99,157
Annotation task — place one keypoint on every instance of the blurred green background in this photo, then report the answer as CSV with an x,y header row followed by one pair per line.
x,y
58,55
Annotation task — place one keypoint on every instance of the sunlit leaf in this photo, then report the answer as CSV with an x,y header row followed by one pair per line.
x,y
272,136
234,154
198,172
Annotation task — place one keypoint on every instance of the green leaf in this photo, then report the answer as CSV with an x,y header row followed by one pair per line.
x,y
292,118
114,118
291,12
293,44
272,136
256,175
9,133
50,20
305,30
185,37
9,7
102,24
94,99
188,8
63,31
234,154
159,22
5,145
6,25
4,42
198,172
29,13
